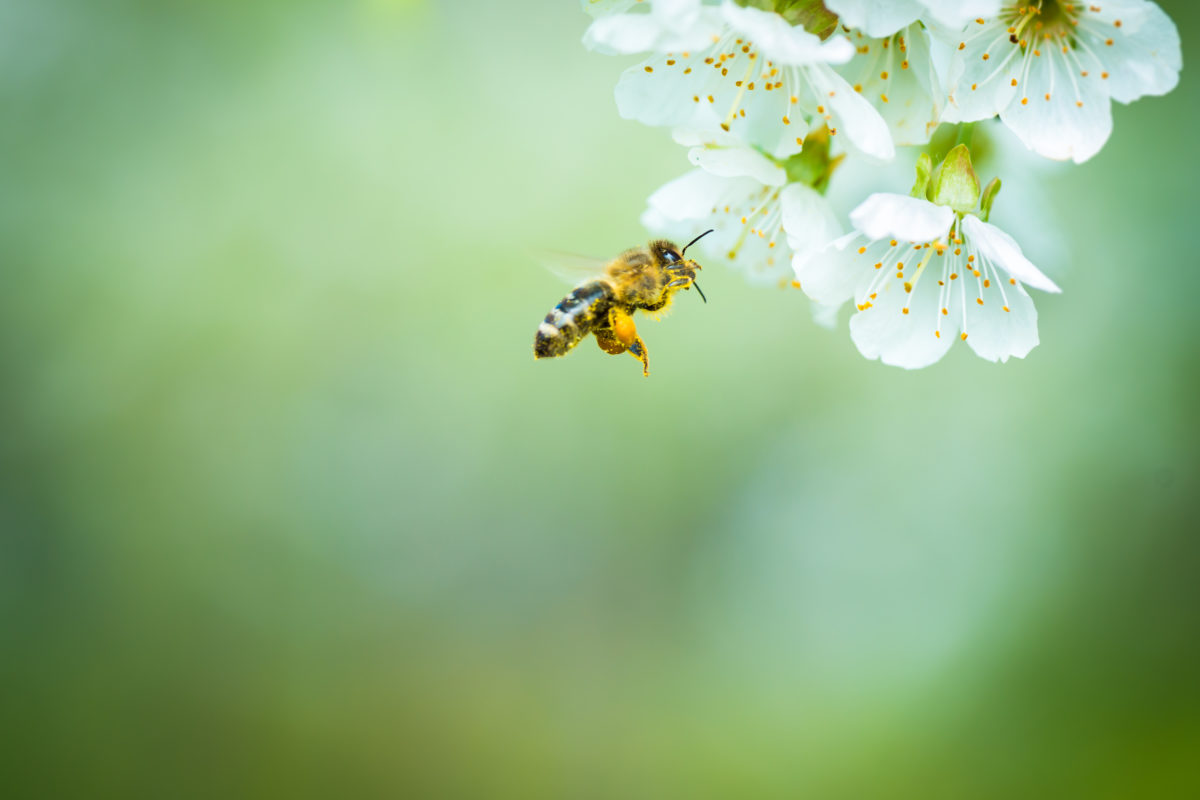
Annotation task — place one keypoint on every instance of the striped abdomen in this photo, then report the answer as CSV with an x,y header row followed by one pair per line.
x,y
572,319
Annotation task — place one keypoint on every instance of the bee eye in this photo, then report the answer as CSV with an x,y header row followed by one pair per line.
x,y
670,256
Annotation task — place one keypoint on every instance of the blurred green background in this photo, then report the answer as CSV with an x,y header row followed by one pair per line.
x,y
288,508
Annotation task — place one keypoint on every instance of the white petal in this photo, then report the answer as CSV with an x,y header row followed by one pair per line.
x,y
829,275
699,137
996,334
883,331
1144,57
808,219
884,215
1073,123
1000,248
693,195
664,96
639,33
957,13
979,88
784,43
876,17
909,99
736,162
764,111
852,116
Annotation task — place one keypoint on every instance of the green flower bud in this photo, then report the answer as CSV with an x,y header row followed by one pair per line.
x,y
954,182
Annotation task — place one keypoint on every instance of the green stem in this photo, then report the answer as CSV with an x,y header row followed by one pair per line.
x,y
965,130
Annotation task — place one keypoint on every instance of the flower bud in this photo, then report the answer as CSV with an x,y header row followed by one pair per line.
x,y
954,182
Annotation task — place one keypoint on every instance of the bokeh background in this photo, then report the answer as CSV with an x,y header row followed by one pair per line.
x,y
289,509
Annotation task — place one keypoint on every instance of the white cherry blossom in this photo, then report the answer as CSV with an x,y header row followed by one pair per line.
x,y
760,78
759,218
1049,69
922,276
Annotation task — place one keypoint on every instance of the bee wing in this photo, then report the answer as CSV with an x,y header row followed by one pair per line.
x,y
572,268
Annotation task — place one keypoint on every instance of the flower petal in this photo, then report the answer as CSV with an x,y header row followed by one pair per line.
x,y
998,334
1144,57
885,332
654,93
956,14
1060,114
884,215
694,194
909,98
692,27
736,162
784,43
850,113
808,219
983,74
828,275
876,18
1000,248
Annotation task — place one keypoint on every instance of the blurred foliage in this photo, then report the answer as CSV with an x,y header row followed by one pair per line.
x,y
288,508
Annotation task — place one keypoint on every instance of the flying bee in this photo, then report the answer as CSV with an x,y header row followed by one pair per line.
x,y
641,278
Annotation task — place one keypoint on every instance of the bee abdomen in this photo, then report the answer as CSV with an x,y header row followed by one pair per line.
x,y
572,319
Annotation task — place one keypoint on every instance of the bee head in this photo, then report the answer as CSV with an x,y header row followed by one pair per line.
x,y
674,260
666,253
669,255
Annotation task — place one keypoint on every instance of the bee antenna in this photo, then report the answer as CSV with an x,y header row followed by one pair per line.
x,y
693,241
702,297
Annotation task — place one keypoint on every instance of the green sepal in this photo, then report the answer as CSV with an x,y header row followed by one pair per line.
x,y
954,182
812,15
812,165
989,195
924,168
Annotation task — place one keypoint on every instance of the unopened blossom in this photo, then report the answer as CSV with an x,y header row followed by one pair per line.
x,y
896,74
922,275
878,18
1050,68
759,217
760,78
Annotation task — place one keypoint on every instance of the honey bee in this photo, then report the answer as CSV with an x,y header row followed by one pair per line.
x,y
641,278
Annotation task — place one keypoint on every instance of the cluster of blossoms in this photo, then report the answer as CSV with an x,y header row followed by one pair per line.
x,y
772,97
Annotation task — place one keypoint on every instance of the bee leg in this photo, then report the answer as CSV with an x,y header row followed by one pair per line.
x,y
626,333
684,282
638,351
